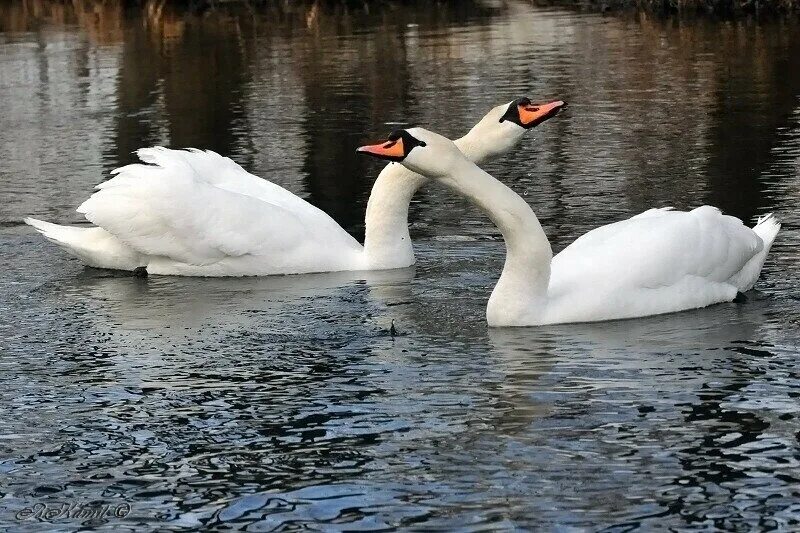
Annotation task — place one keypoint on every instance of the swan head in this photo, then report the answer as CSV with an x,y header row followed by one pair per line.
x,y
419,150
503,127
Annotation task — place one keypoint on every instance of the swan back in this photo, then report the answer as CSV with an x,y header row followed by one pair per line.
x,y
201,214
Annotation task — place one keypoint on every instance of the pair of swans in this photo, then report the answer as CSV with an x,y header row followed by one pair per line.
x,y
196,213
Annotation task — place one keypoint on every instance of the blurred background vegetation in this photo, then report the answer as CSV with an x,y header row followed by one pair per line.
x,y
159,10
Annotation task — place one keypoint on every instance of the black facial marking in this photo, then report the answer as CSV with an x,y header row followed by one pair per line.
x,y
409,143
512,113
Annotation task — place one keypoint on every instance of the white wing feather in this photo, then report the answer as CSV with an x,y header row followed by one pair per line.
x,y
199,208
666,259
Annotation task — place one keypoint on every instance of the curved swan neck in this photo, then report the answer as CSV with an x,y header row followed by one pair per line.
x,y
387,242
522,288
473,148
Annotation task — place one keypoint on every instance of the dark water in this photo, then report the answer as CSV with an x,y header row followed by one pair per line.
x,y
282,403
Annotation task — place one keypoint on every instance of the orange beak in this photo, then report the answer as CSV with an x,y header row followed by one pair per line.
x,y
534,114
391,150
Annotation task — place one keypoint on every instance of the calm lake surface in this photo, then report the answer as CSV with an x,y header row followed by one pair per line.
x,y
281,403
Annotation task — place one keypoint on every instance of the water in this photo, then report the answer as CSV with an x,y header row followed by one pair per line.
x,y
284,402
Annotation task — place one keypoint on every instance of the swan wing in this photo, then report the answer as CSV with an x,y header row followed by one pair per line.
x,y
654,212
658,245
179,209
210,168
652,263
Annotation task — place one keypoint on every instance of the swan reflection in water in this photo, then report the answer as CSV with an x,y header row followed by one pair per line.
x,y
233,302
160,314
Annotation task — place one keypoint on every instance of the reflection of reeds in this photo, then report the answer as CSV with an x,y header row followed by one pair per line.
x,y
165,24
101,19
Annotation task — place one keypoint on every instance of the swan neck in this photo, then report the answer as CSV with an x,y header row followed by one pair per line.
x,y
387,242
521,291
474,147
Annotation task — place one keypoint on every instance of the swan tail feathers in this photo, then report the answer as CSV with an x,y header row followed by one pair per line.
x,y
94,246
61,235
767,229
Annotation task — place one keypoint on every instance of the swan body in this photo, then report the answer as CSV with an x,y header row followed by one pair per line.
x,y
659,261
196,213
656,263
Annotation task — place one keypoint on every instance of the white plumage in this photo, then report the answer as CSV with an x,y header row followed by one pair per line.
x,y
196,213
659,261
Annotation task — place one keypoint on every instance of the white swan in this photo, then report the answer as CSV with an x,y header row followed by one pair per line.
x,y
195,213
657,262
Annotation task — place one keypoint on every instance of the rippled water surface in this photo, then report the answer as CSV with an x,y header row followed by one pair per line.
x,y
278,403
